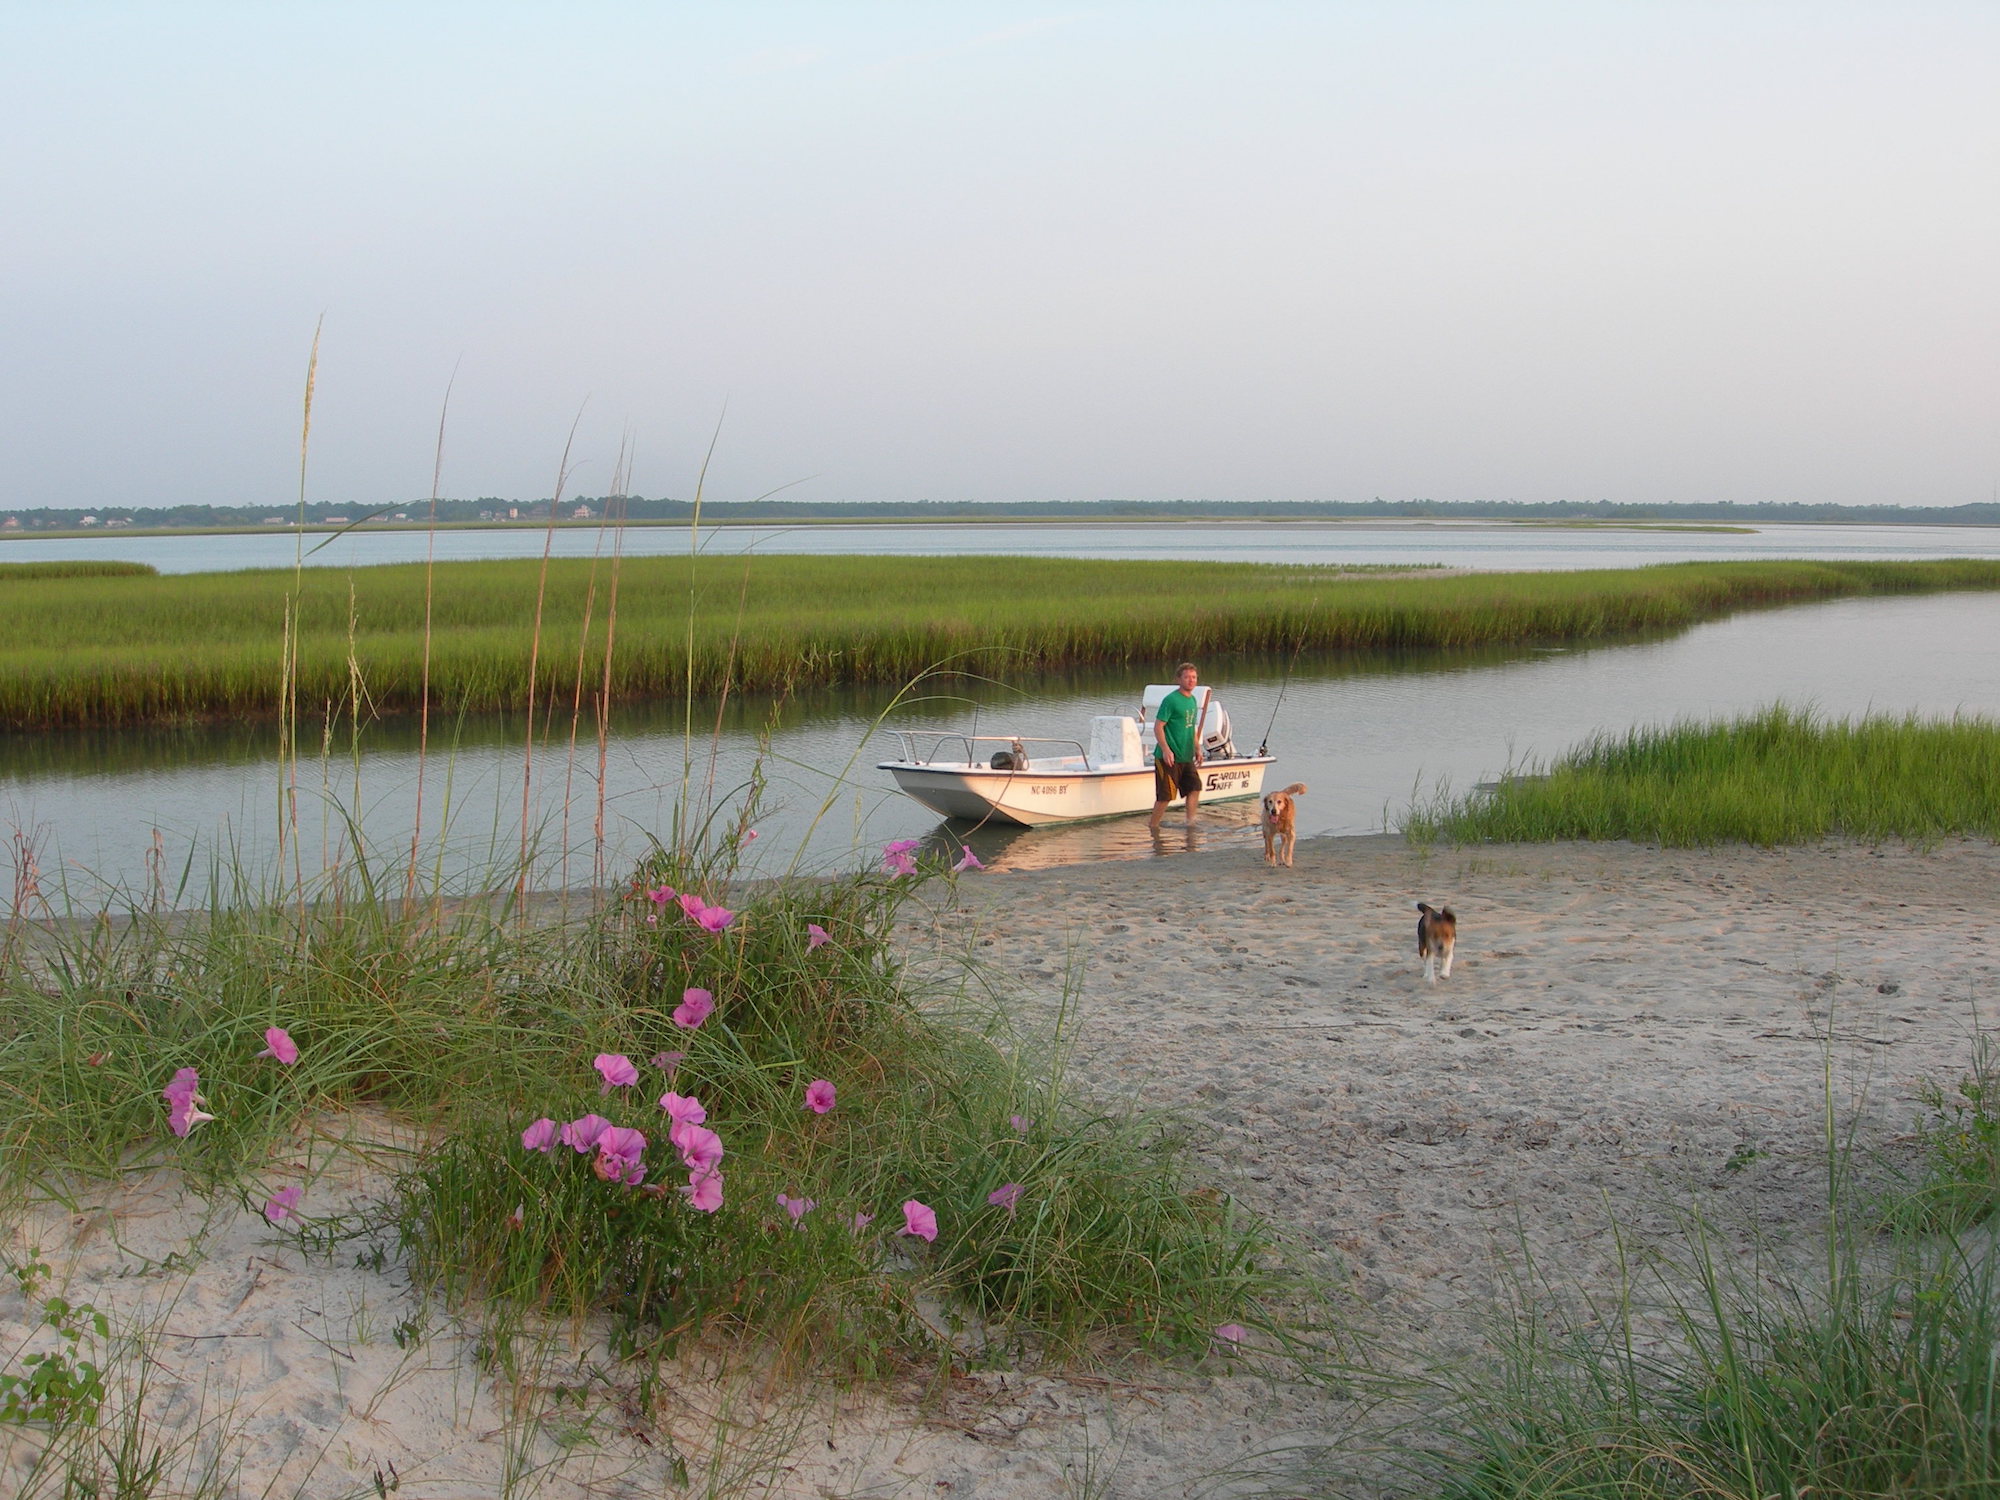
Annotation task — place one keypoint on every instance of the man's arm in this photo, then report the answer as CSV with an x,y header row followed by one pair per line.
x,y
1160,734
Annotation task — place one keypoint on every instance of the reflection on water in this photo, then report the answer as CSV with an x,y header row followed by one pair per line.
x,y
1365,733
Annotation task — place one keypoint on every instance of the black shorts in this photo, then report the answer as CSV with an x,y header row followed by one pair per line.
x,y
1178,780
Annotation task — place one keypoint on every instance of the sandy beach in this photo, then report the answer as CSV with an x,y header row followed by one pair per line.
x,y
1626,1031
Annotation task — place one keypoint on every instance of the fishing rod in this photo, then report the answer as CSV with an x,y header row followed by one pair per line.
x,y
1264,748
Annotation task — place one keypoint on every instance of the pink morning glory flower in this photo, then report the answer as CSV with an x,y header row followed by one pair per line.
x,y
1231,1333
967,861
617,1070
695,1007
819,1096
815,935
581,1135
1005,1196
701,1148
683,1110
862,1221
519,1217
618,1153
670,1061
918,1220
183,1111
715,918
282,1203
692,905
660,895
750,836
540,1136
798,1208
1020,1123
704,1191
278,1044
896,857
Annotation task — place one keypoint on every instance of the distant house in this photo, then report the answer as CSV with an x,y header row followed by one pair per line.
x,y
12,523
401,515
274,520
86,521
119,521
582,513
336,520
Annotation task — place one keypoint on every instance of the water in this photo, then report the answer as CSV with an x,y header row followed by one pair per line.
x,y
1483,545
1365,734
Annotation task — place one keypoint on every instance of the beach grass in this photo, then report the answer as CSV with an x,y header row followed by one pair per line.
x,y
1782,776
1706,1378
116,650
1057,1218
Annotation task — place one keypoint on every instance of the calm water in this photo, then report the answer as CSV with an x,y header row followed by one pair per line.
x,y
1489,545
1364,733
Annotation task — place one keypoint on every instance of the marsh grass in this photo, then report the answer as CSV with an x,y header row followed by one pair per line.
x,y
19,572
92,651
1781,776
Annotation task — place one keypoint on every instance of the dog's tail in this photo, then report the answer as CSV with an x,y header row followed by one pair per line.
x,y
1296,789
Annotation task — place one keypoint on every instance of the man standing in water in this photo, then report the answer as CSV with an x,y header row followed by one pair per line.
x,y
1177,756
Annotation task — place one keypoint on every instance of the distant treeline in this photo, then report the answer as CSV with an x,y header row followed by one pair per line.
x,y
587,508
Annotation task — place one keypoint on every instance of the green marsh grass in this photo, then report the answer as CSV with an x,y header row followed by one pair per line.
x,y
1782,776
21,572
84,651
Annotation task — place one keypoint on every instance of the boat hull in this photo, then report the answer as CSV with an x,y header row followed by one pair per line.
x,y
1033,798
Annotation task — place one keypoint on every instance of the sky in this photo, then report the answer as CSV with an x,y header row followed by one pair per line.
x,y
1643,252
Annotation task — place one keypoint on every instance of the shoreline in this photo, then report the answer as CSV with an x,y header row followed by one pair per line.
x,y
1627,1031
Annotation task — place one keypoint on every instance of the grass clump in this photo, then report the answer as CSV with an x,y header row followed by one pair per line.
x,y
1864,1387
1058,1220
1782,776
103,651
1055,1220
1958,1147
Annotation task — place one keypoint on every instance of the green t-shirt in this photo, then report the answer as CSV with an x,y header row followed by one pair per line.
x,y
1178,711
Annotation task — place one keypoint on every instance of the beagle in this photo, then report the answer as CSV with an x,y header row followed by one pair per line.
x,y
1437,931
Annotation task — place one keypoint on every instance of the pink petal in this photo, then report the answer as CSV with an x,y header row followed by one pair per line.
x,y
695,1007
815,935
967,861
581,1135
282,1203
704,1191
278,1044
670,1061
862,1221
617,1070
919,1221
1231,1333
700,1147
1005,1196
819,1096
715,918
540,1136
683,1110
1020,1123
660,895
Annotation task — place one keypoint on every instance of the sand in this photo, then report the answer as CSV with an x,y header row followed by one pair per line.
x,y
1626,1031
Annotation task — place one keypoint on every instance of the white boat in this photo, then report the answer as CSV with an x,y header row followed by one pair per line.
x,y
1007,778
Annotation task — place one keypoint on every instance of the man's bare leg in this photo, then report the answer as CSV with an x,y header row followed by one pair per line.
x,y
1193,798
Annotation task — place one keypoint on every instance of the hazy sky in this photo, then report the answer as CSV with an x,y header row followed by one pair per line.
x,y
1672,251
